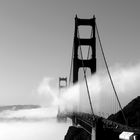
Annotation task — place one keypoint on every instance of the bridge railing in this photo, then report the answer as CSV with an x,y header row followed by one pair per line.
x,y
89,121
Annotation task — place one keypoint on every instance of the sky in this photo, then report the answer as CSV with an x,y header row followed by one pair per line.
x,y
36,39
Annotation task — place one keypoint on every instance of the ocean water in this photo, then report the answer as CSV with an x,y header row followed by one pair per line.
x,y
33,124
49,129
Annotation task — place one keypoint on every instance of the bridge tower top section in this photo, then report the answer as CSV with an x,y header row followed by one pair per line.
x,y
62,82
87,42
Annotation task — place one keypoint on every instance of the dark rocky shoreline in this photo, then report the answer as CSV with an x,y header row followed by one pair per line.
x,y
131,112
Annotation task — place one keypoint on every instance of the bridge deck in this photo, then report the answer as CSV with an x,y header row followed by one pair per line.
x,y
89,121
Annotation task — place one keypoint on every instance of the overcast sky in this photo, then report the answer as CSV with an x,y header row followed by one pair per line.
x,y
36,39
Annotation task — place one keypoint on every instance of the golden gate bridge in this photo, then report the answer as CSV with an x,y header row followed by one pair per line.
x,y
104,128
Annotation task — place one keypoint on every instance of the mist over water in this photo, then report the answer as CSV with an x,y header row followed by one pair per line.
x,y
28,124
41,130
41,123
126,81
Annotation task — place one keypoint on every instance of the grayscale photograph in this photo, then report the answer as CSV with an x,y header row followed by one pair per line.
x,y
69,70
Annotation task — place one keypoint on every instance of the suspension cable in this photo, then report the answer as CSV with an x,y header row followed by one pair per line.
x,y
85,122
101,47
71,66
86,130
85,77
84,69
89,49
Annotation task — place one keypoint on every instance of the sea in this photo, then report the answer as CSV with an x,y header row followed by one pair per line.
x,y
32,124
49,129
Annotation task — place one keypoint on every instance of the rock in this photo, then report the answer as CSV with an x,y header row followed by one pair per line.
x,y
132,114
77,133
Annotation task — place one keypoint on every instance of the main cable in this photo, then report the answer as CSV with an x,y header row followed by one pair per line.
x,y
85,77
71,65
110,74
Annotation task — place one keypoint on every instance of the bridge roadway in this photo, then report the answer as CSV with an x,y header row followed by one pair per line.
x,y
88,121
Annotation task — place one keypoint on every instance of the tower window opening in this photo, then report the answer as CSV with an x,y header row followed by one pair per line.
x,y
85,31
86,52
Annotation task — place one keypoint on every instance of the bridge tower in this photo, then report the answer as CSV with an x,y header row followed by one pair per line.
x,y
62,82
62,86
83,62
78,42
